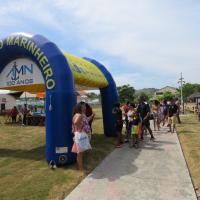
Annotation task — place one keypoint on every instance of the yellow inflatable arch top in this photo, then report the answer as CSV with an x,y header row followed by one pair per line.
x,y
86,76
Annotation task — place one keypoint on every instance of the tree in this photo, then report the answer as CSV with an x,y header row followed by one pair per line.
x,y
189,88
146,96
92,95
168,96
126,93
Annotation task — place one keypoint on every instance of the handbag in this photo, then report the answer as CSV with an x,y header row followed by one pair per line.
x,y
82,140
134,129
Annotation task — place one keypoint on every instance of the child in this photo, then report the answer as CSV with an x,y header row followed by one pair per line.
x,y
125,109
130,115
135,130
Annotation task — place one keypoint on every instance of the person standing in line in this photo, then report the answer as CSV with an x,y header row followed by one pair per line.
x,y
89,117
89,112
177,102
20,115
165,112
198,111
144,112
25,113
81,129
135,129
126,109
130,116
14,113
156,114
117,112
172,116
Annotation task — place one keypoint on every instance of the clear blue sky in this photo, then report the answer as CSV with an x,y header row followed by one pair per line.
x,y
144,43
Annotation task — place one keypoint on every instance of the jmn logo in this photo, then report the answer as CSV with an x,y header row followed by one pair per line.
x,y
16,71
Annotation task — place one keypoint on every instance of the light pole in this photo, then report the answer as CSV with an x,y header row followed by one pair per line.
x,y
181,81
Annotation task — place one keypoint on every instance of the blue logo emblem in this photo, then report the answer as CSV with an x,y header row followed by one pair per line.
x,y
16,71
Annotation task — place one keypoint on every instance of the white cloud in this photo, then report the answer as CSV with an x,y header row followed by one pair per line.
x,y
158,36
22,14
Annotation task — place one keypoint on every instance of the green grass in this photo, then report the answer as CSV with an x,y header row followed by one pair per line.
x,y
24,173
189,136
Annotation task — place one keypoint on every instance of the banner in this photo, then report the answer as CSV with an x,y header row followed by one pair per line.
x,y
20,73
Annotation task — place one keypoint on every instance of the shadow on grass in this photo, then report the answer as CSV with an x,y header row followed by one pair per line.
x,y
191,122
186,132
101,147
32,154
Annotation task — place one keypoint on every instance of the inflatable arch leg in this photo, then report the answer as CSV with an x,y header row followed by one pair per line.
x,y
59,86
109,97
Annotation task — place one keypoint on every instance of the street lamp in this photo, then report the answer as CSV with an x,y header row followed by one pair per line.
x,y
181,81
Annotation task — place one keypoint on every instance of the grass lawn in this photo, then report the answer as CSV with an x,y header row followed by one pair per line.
x,y
24,173
189,136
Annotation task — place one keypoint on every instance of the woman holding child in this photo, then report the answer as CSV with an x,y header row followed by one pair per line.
x,y
82,132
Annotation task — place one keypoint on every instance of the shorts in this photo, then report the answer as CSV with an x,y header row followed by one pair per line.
x,y
172,120
165,113
155,115
146,123
119,127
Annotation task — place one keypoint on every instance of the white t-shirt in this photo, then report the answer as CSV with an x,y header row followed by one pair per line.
x,y
130,115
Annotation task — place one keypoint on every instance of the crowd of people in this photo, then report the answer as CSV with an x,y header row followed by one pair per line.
x,y
134,117
20,114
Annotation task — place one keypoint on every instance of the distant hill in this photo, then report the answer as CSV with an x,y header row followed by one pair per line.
x,y
148,91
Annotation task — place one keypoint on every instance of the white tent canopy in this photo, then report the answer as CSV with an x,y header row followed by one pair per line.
x,y
27,95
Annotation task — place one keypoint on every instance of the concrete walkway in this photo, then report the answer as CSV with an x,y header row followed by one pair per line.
x,y
155,171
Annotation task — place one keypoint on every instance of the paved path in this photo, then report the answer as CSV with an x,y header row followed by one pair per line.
x,y
156,171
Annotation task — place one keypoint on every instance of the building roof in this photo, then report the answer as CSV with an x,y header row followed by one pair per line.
x,y
194,95
15,94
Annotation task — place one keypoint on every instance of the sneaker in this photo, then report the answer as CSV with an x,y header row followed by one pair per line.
x,y
136,146
54,167
152,138
118,146
131,144
52,164
125,140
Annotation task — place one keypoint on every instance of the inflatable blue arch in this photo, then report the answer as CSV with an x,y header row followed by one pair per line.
x,y
60,72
